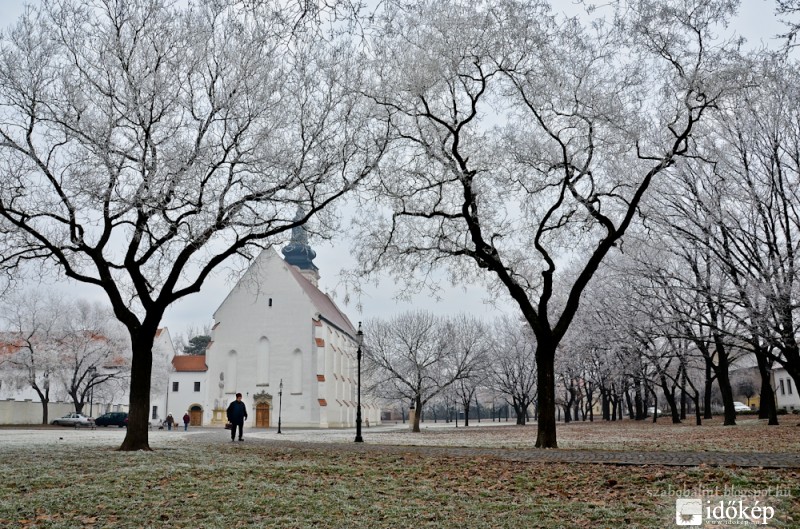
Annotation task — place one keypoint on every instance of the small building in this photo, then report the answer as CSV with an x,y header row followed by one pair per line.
x,y
187,388
786,395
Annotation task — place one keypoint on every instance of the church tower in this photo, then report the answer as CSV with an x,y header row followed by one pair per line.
x,y
299,254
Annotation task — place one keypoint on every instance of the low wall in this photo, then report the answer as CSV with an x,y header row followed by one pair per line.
x,y
30,412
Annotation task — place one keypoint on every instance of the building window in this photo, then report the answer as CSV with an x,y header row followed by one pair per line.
x,y
155,413
783,390
270,302
789,385
174,386
197,386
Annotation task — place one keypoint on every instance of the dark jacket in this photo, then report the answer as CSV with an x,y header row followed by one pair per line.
x,y
237,412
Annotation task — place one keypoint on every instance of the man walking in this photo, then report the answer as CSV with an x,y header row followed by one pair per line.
x,y
237,413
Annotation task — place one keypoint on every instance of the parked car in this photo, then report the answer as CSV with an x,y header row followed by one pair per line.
x,y
653,411
740,406
74,419
112,418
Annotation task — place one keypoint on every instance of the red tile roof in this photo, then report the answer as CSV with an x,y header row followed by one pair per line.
x,y
189,363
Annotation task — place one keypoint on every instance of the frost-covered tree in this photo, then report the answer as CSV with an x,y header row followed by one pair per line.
x,y
66,348
525,139
414,357
93,352
512,371
29,344
144,143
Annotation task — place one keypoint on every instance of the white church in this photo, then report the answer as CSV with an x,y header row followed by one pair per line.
x,y
280,342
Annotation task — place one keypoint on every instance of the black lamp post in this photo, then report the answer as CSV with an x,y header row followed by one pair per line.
x,y
92,371
280,404
359,339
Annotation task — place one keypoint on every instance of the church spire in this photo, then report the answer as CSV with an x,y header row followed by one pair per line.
x,y
298,253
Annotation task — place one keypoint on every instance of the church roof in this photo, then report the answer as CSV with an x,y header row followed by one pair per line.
x,y
323,303
189,363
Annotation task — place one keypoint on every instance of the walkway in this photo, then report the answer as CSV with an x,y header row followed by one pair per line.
x,y
682,459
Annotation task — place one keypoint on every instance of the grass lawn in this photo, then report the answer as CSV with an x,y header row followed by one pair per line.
x,y
205,484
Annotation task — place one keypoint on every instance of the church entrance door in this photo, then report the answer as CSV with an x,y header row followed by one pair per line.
x,y
262,415
196,416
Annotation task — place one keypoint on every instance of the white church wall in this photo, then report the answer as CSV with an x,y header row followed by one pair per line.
x,y
269,330
266,307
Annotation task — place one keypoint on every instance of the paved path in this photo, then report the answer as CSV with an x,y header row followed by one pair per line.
x,y
341,440
683,459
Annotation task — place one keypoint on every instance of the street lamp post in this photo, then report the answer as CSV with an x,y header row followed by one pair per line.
x,y
280,404
359,339
92,371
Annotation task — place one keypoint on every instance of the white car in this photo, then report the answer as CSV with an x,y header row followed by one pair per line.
x,y
740,406
74,419
653,411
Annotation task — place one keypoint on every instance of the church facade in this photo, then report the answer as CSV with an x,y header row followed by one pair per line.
x,y
280,342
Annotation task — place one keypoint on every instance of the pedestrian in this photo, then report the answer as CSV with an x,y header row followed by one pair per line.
x,y
237,413
186,420
170,421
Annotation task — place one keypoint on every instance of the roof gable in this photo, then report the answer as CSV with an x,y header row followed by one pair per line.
x,y
323,303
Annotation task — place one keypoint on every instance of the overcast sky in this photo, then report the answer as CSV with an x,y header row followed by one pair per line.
x,y
756,22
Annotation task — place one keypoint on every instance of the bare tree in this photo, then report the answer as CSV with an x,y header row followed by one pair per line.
x,y
144,144
582,135
30,343
412,358
789,10
93,351
470,355
63,347
740,223
513,365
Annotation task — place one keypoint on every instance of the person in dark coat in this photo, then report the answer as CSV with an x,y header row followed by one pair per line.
x,y
186,420
237,413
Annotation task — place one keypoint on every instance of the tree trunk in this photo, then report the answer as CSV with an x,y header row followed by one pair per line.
x,y
708,390
767,408
136,437
669,394
521,416
631,407
418,414
697,414
724,382
683,395
466,414
546,380
44,398
640,408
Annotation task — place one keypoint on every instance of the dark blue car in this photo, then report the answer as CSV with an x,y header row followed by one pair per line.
x,y
114,418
